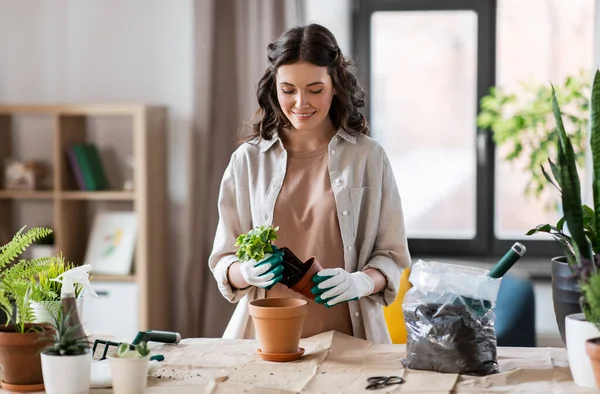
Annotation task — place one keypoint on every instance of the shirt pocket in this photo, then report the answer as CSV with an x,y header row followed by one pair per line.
x,y
361,199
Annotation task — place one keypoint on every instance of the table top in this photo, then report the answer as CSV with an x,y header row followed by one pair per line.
x,y
334,362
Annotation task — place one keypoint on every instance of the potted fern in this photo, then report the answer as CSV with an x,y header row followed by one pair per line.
x,y
129,367
580,327
20,338
67,361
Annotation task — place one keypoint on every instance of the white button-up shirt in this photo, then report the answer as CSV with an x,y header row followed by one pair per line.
x,y
369,213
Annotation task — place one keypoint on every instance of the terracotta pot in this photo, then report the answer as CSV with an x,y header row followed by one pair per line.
x,y
278,323
305,284
592,347
20,357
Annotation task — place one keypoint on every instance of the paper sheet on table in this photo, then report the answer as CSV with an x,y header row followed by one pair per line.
x,y
334,362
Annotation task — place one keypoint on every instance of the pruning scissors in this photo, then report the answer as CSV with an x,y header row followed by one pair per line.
x,y
377,382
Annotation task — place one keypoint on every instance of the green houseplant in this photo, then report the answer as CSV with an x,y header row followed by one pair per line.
x,y
20,339
580,327
297,274
67,361
524,123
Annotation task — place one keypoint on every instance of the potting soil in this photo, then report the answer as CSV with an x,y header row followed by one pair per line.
x,y
293,268
450,337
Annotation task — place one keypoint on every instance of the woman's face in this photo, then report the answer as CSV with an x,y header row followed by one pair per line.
x,y
304,92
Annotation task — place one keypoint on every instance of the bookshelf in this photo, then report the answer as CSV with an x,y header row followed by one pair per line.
x,y
50,130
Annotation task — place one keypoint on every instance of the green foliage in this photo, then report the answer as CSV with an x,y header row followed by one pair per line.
x,y
141,350
583,222
45,289
66,340
18,277
524,122
255,243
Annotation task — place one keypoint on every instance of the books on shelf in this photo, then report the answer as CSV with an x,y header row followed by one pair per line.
x,y
87,168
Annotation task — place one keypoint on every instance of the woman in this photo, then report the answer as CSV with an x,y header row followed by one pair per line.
x,y
311,170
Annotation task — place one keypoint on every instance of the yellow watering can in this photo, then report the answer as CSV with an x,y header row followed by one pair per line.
x,y
394,317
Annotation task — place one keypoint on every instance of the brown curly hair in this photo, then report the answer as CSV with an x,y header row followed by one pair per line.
x,y
317,45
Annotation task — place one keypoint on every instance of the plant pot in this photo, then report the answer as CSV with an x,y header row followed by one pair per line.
x,y
67,374
20,357
592,347
578,331
306,283
129,374
43,315
278,323
565,293
297,275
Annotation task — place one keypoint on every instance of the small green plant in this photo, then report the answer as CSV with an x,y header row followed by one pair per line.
x,y
255,243
65,340
140,350
16,290
524,123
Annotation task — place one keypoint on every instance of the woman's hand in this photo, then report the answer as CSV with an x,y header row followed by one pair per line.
x,y
264,273
336,285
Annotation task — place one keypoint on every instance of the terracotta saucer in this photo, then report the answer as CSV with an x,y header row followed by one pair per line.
x,y
281,357
22,388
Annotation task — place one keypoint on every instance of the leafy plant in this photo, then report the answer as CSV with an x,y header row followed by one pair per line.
x,y
16,290
584,263
255,243
524,121
140,350
45,289
66,340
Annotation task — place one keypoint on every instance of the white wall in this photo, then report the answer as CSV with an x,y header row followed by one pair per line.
x,y
336,15
71,51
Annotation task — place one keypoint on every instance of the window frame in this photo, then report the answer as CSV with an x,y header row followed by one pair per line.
x,y
485,243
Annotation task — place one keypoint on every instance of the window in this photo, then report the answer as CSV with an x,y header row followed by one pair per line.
x,y
425,65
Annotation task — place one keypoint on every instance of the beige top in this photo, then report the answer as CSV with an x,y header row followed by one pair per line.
x,y
306,215
369,212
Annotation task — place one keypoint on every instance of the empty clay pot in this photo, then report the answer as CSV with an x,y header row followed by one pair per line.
x,y
592,347
278,323
305,284
20,357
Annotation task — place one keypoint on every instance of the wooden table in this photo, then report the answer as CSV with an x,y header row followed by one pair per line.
x,y
334,363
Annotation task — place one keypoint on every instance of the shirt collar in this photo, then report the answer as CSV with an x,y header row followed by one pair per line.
x,y
265,145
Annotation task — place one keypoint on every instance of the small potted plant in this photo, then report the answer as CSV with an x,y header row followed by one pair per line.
x,y
67,362
297,275
129,367
21,340
278,321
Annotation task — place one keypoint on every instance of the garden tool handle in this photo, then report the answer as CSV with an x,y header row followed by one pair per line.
x,y
507,261
157,336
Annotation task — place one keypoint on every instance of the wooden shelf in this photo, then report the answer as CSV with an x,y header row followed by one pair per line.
x,y
109,195
112,278
26,195
142,134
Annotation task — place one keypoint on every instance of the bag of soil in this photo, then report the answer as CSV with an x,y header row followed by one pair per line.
x,y
450,319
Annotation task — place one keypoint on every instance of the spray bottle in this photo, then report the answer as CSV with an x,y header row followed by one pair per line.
x,y
67,295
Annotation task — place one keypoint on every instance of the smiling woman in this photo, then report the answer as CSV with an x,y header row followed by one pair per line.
x,y
310,169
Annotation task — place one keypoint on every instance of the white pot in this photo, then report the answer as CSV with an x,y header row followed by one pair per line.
x,y
42,315
67,374
129,374
577,331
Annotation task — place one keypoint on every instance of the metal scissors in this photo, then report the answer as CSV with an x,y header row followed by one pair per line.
x,y
377,382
